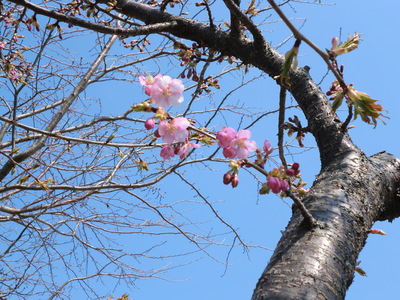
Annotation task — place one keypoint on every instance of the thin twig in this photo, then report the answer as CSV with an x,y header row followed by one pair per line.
x,y
348,119
308,218
212,25
300,36
281,120
255,31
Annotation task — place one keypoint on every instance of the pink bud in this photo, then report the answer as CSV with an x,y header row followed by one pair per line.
x,y
234,180
157,134
229,152
267,146
296,166
227,178
149,124
284,185
274,184
335,42
290,172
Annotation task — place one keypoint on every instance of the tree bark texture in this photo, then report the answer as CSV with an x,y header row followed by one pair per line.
x,y
348,196
350,193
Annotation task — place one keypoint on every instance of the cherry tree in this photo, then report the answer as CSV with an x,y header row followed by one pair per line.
x,y
76,175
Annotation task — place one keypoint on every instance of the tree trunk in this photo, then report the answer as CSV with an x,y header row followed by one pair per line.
x,y
348,196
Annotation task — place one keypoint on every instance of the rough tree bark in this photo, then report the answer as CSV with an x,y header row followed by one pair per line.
x,y
351,192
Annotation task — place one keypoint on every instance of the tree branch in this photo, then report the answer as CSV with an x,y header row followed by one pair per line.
x,y
62,111
142,30
236,12
300,36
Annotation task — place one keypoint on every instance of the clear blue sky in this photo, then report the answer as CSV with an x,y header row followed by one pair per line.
x,y
259,219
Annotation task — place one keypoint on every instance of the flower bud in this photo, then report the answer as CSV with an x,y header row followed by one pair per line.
x,y
284,185
274,184
377,231
335,42
143,106
149,124
290,172
267,146
229,152
227,178
143,165
296,166
234,180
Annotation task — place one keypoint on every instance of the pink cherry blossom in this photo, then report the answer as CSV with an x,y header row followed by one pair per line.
x,y
176,130
166,92
185,148
148,81
244,146
225,137
167,152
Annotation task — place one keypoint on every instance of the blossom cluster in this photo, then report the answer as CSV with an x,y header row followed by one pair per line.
x,y
279,178
176,135
163,90
175,131
235,144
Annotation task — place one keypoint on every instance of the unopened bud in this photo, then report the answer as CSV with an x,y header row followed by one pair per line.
x,y
227,178
143,106
296,166
149,124
143,165
335,42
234,180
290,172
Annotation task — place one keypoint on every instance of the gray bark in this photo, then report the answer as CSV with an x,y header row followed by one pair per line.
x,y
348,196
